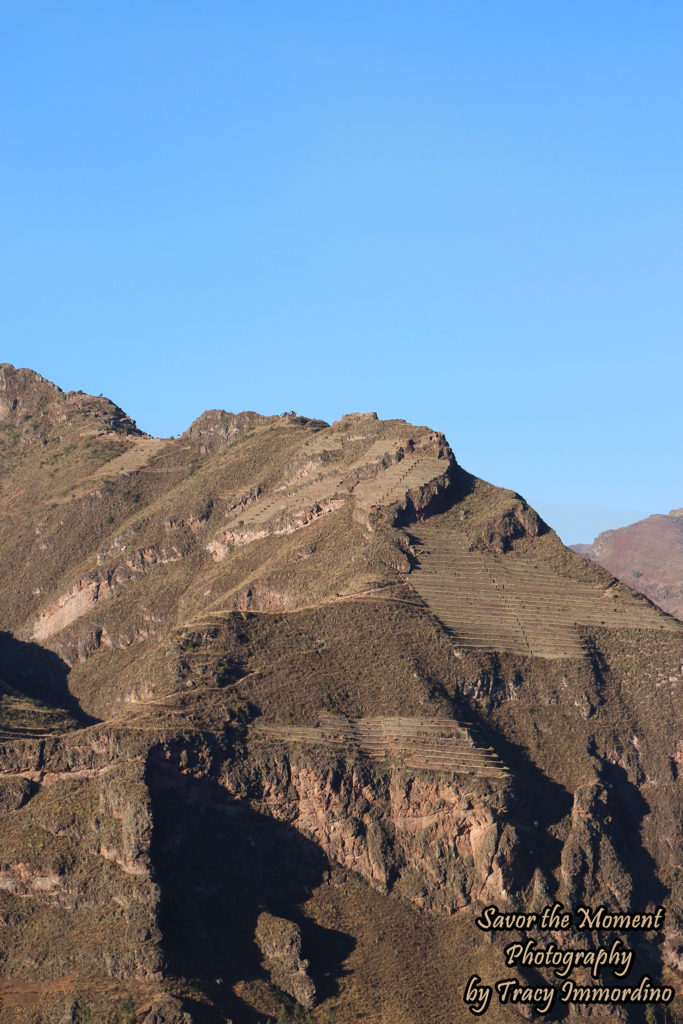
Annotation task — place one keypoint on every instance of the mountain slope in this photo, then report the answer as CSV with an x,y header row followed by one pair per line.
x,y
278,691
647,555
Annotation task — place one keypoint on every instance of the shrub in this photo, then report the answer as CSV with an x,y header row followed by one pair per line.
x,y
81,1013
124,1012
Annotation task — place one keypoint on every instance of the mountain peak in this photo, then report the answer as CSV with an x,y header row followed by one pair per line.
x,y
40,408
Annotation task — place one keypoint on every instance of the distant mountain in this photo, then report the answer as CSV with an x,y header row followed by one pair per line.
x,y
647,556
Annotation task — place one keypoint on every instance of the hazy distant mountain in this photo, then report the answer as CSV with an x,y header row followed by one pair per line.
x,y
647,555
284,705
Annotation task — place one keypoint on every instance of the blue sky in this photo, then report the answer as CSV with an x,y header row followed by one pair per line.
x,y
466,214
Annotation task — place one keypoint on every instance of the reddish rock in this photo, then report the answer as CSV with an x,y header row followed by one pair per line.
x,y
647,556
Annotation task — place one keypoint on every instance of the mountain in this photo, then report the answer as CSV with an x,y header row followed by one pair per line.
x,y
647,555
284,706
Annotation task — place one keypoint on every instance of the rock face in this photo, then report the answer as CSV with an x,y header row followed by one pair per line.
x,y
647,556
439,844
280,943
284,705
40,408
216,429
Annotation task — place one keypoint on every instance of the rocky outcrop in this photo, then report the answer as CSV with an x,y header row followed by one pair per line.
x,y
215,429
22,391
97,587
280,525
592,870
519,520
70,606
280,943
438,843
26,395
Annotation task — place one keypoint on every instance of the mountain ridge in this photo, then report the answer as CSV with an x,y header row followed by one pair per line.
x,y
284,704
647,556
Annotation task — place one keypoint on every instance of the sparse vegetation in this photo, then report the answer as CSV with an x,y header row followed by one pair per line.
x,y
124,1013
172,612
81,1013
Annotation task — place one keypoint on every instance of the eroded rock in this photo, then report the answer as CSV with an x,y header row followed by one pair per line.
x,y
280,943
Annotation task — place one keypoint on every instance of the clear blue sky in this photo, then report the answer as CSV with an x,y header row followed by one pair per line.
x,y
465,214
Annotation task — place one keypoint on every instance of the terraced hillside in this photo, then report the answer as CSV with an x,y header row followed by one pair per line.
x,y
431,744
340,467
394,483
136,457
284,704
510,603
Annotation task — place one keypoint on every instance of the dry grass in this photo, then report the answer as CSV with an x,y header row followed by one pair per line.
x,y
186,650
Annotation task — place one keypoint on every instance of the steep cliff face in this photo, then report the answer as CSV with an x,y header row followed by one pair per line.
x,y
285,705
440,844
